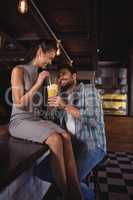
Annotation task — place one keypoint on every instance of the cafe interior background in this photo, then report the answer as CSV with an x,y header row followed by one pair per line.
x,y
95,37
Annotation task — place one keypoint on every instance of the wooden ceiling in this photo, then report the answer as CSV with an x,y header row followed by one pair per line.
x,y
88,29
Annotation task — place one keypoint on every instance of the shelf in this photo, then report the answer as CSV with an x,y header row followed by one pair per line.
x,y
112,85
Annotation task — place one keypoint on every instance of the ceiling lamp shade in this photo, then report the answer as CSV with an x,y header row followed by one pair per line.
x,y
23,6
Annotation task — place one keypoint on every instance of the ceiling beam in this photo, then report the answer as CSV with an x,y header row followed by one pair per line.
x,y
81,35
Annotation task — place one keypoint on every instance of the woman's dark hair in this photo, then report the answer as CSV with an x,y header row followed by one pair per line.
x,y
46,45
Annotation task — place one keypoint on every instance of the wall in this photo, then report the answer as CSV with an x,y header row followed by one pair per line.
x,y
5,109
119,131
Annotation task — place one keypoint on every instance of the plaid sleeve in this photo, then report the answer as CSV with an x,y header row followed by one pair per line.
x,y
91,104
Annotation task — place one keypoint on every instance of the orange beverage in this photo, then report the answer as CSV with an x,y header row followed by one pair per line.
x,y
52,90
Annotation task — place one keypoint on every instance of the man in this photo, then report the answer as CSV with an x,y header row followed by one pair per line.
x,y
79,109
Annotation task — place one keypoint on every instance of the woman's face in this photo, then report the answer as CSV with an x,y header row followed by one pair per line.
x,y
46,58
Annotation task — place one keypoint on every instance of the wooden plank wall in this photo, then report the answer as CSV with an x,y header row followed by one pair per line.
x,y
119,131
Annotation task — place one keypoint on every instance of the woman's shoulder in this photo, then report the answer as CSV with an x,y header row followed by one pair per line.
x,y
20,67
17,70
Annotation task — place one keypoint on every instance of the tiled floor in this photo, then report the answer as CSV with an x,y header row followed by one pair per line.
x,y
115,178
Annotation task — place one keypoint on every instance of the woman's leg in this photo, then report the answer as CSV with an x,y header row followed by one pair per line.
x,y
54,141
71,170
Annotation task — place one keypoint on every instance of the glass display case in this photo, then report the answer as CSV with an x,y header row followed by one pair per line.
x,y
112,85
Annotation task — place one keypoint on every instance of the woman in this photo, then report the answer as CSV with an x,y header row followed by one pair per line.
x,y
25,122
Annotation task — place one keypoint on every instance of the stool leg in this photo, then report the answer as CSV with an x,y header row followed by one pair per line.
x,y
96,184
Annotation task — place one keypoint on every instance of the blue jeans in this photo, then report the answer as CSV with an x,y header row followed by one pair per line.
x,y
86,165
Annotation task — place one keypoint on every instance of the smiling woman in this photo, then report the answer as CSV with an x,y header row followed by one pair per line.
x,y
26,120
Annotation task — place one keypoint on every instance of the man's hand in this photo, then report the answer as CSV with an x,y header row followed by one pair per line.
x,y
56,102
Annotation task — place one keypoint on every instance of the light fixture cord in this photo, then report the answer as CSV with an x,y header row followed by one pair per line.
x,y
52,33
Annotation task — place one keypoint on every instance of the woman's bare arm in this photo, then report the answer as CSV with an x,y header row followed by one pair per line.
x,y
20,98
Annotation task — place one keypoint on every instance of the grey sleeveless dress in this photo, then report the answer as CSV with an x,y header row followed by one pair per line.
x,y
26,123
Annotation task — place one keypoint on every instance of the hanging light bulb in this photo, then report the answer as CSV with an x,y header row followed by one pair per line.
x,y
58,51
71,62
23,6
58,48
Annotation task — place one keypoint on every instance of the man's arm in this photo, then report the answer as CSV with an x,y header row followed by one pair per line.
x,y
93,107
89,111
74,111
59,103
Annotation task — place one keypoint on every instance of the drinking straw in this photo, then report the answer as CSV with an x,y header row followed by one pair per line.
x,y
49,81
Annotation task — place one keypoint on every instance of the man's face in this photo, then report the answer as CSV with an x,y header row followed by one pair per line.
x,y
66,78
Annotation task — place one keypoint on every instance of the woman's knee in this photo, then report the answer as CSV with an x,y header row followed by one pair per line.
x,y
66,137
54,139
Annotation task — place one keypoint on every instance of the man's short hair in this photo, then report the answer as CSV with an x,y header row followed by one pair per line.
x,y
71,69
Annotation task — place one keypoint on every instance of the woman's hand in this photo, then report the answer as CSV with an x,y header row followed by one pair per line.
x,y
41,77
56,102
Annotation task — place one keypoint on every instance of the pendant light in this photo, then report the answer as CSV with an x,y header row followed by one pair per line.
x,y
23,6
